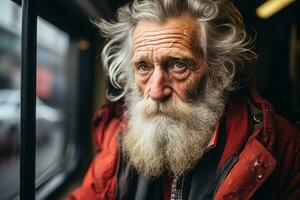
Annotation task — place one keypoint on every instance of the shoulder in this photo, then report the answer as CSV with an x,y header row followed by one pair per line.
x,y
108,112
107,123
282,139
99,182
279,135
284,132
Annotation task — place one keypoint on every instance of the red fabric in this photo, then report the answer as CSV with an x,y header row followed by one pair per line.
x,y
100,180
253,168
214,139
237,127
273,151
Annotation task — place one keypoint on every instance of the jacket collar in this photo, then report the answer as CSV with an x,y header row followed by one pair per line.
x,y
256,161
254,166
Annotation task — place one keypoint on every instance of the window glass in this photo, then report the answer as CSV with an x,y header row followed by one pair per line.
x,y
53,47
51,88
10,51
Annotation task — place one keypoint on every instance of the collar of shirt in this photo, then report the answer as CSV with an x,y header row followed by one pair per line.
x,y
214,139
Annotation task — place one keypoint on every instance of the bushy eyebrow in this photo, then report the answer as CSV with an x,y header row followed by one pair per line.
x,y
166,61
179,56
138,59
171,55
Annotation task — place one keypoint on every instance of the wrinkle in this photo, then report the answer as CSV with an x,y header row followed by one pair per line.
x,y
181,31
177,51
163,36
166,44
153,39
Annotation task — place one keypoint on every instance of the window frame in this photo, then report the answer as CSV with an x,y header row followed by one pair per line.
x,y
82,96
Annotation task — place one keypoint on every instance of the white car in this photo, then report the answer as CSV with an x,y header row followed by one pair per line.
x,y
48,120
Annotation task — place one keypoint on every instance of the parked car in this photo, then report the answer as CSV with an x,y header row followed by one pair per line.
x,y
48,119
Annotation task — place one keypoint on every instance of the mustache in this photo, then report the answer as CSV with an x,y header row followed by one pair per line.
x,y
172,108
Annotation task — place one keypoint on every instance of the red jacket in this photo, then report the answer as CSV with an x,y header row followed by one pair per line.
x,y
269,161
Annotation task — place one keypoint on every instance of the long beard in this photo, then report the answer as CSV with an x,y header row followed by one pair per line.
x,y
170,136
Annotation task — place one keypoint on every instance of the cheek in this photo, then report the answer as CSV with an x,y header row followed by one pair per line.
x,y
140,85
191,86
142,79
196,89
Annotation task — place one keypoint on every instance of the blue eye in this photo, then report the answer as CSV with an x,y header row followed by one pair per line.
x,y
143,67
179,65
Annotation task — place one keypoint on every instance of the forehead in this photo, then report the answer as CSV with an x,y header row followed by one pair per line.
x,y
179,31
184,21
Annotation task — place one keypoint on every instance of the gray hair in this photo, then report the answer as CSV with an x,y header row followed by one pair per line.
x,y
223,39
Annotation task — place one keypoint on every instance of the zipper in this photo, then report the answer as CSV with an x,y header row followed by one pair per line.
x,y
227,167
120,137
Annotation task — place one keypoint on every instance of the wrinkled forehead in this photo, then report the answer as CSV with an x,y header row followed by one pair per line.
x,y
183,27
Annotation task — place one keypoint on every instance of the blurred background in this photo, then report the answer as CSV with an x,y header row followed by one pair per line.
x,y
71,84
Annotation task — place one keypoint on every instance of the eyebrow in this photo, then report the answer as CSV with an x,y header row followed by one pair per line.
x,y
179,56
138,59
165,59
174,55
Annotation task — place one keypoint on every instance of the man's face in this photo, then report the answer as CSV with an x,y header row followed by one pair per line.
x,y
167,57
172,108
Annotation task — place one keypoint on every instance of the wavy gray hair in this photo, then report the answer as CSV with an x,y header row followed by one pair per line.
x,y
223,39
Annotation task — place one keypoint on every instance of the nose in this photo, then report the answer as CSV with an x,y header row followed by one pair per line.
x,y
159,85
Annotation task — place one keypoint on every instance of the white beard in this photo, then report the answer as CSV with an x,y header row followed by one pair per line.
x,y
170,136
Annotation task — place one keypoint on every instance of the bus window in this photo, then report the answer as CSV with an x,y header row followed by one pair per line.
x,y
55,82
10,51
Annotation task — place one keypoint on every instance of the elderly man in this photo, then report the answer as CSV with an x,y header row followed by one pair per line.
x,y
184,123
